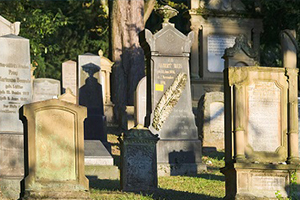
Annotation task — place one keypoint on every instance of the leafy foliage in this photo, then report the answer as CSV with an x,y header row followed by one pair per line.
x,y
59,30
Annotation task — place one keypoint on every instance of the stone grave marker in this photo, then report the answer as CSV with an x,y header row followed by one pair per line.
x,y
140,102
210,120
179,149
138,160
260,154
45,88
69,76
215,31
54,151
15,90
6,27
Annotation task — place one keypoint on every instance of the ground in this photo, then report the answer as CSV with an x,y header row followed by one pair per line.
x,y
208,185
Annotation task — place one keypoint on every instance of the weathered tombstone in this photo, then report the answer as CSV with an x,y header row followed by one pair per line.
x,y
215,31
7,27
54,151
45,88
15,90
69,76
179,149
210,120
138,160
106,66
140,102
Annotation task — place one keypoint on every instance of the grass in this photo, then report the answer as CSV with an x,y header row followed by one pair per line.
x,y
208,185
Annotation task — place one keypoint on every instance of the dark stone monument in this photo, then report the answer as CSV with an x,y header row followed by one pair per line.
x,y
138,160
169,102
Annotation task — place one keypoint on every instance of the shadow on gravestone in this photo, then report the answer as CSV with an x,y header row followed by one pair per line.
x,y
90,95
180,158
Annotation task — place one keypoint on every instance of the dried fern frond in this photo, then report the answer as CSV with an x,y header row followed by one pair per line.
x,y
168,101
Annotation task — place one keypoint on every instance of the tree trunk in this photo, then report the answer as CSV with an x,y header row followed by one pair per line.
x,y
127,20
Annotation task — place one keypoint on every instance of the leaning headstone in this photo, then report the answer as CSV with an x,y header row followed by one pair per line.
x,y
138,160
210,120
7,27
54,151
140,102
15,90
179,149
260,155
45,89
69,76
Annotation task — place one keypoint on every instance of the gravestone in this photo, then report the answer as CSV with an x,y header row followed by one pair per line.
x,y
106,69
15,90
69,76
7,27
260,155
140,102
138,160
54,151
179,149
211,120
216,29
45,88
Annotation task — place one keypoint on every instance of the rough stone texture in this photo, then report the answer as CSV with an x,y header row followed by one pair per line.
x,y
216,32
54,151
7,27
45,88
140,102
15,90
169,82
69,76
138,160
210,120
259,157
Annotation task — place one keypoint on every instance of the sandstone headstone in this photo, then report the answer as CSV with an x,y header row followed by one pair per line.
x,y
211,120
69,76
179,149
260,154
140,102
54,151
68,96
15,90
45,88
215,31
7,27
138,160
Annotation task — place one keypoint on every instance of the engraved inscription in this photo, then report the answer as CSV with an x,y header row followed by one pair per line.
x,y
44,90
264,116
216,47
268,182
216,121
69,76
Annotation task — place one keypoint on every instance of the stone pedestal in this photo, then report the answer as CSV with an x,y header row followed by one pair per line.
x,y
138,160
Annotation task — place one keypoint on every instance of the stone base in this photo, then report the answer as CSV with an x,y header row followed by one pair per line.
x,y
55,195
102,172
95,153
10,187
258,181
180,169
179,157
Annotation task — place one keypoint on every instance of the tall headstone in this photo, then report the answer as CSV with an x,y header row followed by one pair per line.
x,y
15,90
105,72
69,76
179,149
138,160
54,151
45,88
6,27
140,102
97,149
216,29
210,119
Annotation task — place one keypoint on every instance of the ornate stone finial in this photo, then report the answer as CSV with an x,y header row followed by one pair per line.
x,y
100,53
166,12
